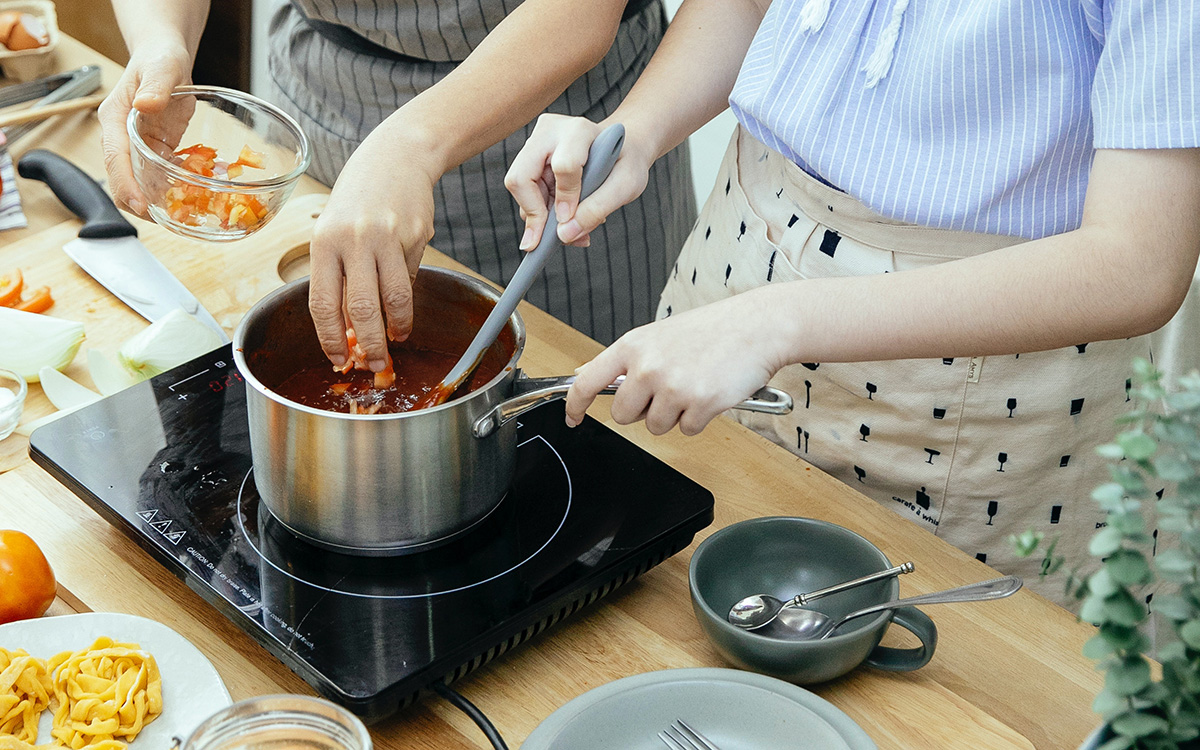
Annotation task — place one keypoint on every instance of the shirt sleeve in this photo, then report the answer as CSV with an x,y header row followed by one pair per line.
x,y
1146,93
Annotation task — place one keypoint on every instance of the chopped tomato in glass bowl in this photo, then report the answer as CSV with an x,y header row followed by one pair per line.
x,y
216,164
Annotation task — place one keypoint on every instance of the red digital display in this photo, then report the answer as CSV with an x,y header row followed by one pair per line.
x,y
220,384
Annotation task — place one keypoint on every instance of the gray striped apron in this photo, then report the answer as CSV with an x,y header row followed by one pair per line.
x,y
342,66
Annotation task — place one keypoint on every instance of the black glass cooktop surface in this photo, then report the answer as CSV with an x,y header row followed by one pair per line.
x,y
168,462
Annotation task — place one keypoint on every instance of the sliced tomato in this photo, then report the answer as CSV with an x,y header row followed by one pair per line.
x,y
248,157
10,288
198,149
39,301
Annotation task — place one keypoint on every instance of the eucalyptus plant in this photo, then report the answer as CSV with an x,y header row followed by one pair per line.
x,y
1156,455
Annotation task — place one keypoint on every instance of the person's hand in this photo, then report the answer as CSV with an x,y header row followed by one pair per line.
x,y
152,73
366,249
549,169
686,369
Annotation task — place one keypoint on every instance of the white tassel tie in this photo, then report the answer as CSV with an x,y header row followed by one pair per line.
x,y
877,66
880,61
813,15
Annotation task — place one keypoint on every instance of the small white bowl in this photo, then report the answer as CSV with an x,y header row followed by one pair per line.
x,y
12,401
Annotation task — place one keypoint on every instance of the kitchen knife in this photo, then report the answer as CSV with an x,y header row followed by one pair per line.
x,y
108,247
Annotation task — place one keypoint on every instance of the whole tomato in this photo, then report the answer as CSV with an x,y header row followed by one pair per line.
x,y
27,585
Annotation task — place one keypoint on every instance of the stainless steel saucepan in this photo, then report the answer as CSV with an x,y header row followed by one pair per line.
x,y
386,484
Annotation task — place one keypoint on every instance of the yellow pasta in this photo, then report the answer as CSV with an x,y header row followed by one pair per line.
x,y
24,693
105,695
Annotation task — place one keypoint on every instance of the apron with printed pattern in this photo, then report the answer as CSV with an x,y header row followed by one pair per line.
x,y
973,449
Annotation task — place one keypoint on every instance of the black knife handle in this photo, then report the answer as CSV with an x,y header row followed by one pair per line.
x,y
78,192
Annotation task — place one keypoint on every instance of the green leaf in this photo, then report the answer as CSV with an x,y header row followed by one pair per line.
x,y
1128,567
1172,651
1173,560
1183,400
1137,724
1173,468
1101,584
1128,524
1105,542
1092,610
1025,543
1128,676
1109,491
1173,607
1122,609
1111,451
1097,647
1174,523
1189,633
1138,446
1119,743
1108,704
1123,637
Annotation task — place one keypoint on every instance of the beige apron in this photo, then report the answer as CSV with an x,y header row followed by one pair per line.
x,y
974,449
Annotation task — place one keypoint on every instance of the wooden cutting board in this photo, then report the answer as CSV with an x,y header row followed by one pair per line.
x,y
227,278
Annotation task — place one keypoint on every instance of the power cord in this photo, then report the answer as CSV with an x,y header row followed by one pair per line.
x,y
467,707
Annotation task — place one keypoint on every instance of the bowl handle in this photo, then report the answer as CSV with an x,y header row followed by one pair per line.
x,y
907,659
531,392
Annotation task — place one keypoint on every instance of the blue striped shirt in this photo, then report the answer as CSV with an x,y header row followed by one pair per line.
x,y
989,115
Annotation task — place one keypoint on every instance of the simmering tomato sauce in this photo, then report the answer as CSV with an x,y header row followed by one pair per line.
x,y
283,353
418,370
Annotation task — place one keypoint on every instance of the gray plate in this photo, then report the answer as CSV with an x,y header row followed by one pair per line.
x,y
736,710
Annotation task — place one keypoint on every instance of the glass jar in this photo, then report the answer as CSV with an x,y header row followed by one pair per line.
x,y
12,401
280,722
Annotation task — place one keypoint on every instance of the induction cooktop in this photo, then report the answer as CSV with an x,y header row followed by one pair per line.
x,y
167,461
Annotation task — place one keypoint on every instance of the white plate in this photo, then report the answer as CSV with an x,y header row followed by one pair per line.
x,y
192,689
735,710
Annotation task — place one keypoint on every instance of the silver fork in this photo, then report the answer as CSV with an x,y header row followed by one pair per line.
x,y
679,736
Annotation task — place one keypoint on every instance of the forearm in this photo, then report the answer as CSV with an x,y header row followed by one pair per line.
x,y
690,77
522,66
145,22
1040,295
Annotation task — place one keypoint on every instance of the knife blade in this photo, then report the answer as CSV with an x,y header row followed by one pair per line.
x,y
108,247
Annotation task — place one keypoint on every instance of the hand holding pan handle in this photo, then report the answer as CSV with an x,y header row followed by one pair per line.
x,y
533,392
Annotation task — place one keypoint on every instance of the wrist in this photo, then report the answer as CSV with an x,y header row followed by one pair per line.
x,y
412,142
642,142
159,44
774,322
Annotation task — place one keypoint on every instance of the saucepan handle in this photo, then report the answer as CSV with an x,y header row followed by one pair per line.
x,y
532,392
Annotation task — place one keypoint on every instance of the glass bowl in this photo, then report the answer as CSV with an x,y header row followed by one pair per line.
x,y
281,722
216,164
12,401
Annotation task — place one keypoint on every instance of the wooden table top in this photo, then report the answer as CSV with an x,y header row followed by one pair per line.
x,y
1005,675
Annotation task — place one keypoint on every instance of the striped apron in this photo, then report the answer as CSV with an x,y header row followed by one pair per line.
x,y
973,449
342,66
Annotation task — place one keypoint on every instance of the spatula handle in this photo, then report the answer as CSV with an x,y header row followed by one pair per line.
x,y
601,157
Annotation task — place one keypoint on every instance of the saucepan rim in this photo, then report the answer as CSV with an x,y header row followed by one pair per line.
x,y
476,284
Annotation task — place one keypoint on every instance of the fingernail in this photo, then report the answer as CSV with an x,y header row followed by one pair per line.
x,y
572,422
377,365
337,360
570,231
527,239
137,206
562,211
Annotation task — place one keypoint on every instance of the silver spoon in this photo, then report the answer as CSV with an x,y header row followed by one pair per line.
x,y
810,625
758,610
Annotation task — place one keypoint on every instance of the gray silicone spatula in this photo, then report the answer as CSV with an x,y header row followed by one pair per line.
x,y
601,158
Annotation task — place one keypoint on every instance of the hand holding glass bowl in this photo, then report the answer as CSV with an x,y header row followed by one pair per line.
x,y
216,164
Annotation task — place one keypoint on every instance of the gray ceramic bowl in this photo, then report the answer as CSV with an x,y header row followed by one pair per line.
x,y
786,556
